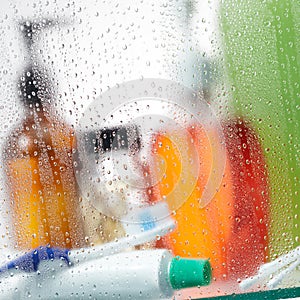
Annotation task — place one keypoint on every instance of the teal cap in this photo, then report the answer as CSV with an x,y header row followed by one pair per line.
x,y
185,273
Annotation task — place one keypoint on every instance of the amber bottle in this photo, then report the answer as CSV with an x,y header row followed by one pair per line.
x,y
45,207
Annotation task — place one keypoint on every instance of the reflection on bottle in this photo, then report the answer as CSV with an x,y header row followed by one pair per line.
x,y
38,164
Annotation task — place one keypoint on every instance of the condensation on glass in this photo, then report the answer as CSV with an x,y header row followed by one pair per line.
x,y
149,149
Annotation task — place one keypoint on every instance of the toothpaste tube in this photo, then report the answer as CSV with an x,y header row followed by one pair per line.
x,y
144,274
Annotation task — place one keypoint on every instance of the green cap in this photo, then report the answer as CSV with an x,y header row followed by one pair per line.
x,y
185,273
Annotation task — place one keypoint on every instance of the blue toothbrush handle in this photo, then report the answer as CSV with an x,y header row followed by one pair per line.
x,y
30,261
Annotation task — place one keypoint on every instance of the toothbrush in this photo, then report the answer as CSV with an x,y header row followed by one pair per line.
x,y
288,262
157,223
276,280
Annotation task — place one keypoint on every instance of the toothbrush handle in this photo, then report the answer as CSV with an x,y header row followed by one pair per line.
x,y
282,260
273,267
30,261
249,282
276,280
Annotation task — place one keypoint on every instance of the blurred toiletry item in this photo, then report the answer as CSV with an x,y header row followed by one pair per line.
x,y
250,199
38,161
236,219
116,183
274,272
205,227
117,151
115,180
99,228
30,261
146,274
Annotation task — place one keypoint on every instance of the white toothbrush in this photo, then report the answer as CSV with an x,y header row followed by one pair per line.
x,y
279,268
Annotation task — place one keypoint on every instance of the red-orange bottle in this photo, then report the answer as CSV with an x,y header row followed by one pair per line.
x,y
232,229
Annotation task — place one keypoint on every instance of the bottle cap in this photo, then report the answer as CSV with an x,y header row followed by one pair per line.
x,y
185,273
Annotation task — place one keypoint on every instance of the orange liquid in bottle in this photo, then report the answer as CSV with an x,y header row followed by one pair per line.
x,y
45,206
38,162
201,231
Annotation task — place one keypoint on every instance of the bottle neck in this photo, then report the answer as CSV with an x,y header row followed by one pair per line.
x,y
35,89
38,111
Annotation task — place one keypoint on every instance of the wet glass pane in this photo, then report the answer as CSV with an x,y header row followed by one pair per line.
x,y
149,149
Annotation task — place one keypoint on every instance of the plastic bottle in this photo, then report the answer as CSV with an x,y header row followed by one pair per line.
x,y
38,164
236,219
144,274
201,231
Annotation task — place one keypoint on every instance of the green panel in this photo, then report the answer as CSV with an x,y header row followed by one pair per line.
x,y
262,55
